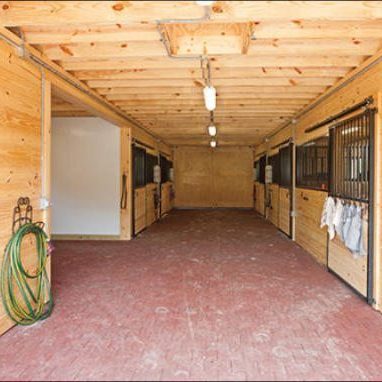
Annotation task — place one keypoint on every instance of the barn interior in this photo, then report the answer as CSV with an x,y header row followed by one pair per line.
x,y
191,190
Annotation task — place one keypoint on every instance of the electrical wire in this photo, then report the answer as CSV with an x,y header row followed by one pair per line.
x,y
25,304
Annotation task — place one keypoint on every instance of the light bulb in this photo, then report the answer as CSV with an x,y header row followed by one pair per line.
x,y
212,131
205,3
213,143
209,93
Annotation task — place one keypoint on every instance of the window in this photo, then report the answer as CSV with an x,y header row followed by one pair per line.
x,y
285,167
274,161
165,165
312,164
256,169
262,163
151,162
350,157
139,167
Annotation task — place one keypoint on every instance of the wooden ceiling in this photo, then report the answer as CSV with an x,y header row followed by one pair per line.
x,y
269,59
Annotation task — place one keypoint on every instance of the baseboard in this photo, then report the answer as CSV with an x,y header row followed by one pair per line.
x,y
85,237
213,208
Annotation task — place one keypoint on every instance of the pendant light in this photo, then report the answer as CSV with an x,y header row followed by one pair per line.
x,y
212,131
205,3
213,143
209,93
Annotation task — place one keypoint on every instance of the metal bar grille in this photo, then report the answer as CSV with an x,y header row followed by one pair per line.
x,y
312,164
274,161
350,172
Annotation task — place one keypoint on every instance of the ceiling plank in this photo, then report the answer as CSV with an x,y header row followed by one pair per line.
x,y
243,82
301,29
135,63
265,91
19,13
270,47
56,13
296,10
264,72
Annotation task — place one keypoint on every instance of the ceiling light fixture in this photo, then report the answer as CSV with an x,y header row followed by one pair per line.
x,y
213,143
212,131
205,3
209,93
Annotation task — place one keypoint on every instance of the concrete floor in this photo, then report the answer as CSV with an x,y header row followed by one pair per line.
x,y
202,295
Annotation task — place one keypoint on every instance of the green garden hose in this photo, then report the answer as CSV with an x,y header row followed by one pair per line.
x,y
26,304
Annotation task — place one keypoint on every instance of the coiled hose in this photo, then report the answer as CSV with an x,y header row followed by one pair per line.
x,y
23,303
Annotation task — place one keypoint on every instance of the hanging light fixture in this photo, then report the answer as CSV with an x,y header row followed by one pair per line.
x,y
212,131
213,143
209,92
204,3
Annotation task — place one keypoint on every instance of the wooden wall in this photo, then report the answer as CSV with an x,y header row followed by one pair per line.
x,y
20,146
284,210
273,207
260,198
308,232
308,211
221,177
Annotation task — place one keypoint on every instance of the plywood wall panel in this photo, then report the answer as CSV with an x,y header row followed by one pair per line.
x,y
139,209
213,178
260,198
273,209
309,235
193,180
166,201
20,147
151,212
284,210
348,267
232,178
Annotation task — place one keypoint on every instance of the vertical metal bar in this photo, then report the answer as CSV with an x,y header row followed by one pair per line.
x,y
366,156
291,189
133,193
331,168
352,164
370,257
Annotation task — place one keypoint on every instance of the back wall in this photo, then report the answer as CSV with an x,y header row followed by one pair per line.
x,y
220,177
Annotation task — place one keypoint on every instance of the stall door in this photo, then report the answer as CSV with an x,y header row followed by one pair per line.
x,y
286,189
351,183
152,205
139,195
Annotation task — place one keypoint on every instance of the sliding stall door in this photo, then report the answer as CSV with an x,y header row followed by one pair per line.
x,y
351,180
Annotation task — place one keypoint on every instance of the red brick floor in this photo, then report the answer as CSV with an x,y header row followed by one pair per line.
x,y
202,295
